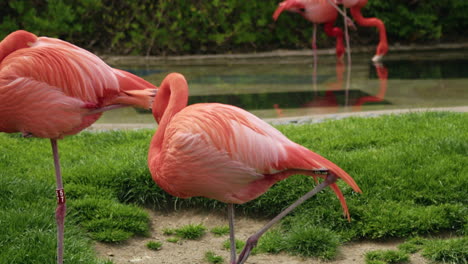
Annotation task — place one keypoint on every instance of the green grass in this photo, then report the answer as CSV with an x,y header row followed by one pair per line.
x,y
173,239
190,231
154,245
239,245
453,250
168,231
220,230
410,167
386,257
306,241
412,245
211,257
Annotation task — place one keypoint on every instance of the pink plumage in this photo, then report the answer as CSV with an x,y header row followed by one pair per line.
x,y
48,87
221,151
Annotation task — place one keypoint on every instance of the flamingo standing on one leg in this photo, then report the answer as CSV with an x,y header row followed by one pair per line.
x,y
225,153
355,7
50,88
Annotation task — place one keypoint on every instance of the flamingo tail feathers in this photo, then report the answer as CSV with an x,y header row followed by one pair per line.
x,y
340,196
307,161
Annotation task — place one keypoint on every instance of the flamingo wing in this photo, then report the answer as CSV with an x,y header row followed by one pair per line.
x,y
221,152
39,109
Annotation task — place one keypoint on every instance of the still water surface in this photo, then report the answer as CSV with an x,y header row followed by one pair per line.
x,y
286,86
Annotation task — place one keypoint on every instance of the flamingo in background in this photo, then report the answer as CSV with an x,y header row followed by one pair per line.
x,y
355,8
50,88
317,12
325,11
222,152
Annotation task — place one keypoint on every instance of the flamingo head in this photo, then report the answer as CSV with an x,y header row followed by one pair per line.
x,y
289,5
19,39
382,49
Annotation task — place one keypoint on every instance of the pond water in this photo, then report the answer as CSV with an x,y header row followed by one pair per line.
x,y
286,86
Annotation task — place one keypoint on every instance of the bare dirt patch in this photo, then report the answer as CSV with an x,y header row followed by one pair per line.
x,y
193,251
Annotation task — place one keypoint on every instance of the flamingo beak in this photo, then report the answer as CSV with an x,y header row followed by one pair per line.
x,y
377,58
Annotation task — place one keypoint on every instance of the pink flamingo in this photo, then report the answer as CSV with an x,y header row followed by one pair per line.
x,y
355,7
317,12
222,152
325,11
50,88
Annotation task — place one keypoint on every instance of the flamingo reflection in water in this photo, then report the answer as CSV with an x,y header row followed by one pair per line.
x,y
329,101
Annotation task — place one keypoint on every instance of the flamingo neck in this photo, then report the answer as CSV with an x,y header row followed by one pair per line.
x,y
371,22
171,98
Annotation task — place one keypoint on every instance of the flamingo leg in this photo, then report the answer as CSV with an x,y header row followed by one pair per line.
x,y
348,56
61,207
314,47
252,241
232,233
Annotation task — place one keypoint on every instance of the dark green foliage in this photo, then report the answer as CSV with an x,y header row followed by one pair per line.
x,y
198,27
386,257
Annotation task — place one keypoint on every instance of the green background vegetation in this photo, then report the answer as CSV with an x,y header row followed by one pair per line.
x,y
411,168
199,27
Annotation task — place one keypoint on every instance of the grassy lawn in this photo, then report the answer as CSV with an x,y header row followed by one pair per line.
x,y
412,169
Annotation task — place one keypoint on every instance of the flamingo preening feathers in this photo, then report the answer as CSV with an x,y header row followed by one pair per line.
x,y
50,88
222,152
